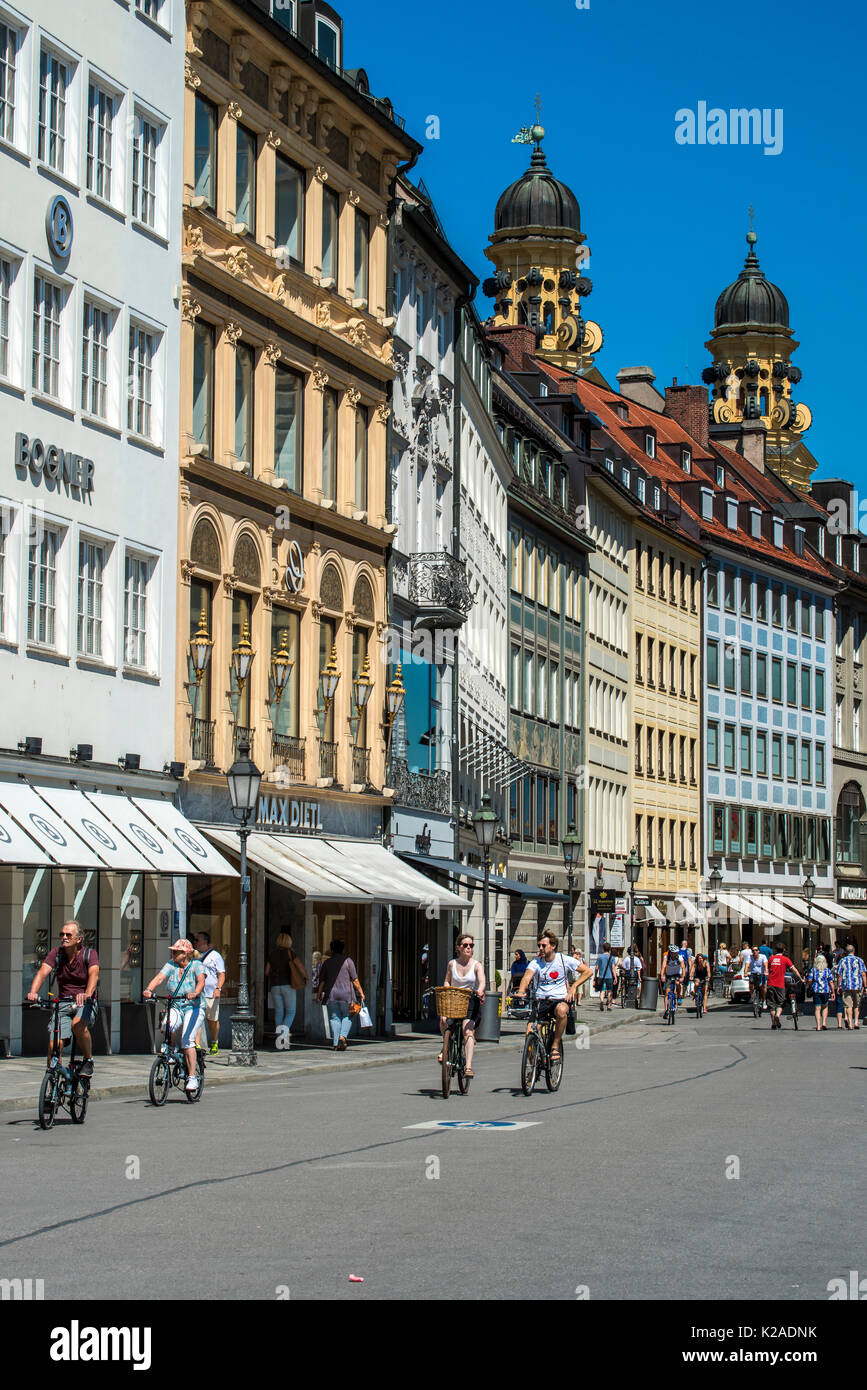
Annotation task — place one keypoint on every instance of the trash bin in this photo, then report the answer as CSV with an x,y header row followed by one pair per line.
x,y
649,994
488,1026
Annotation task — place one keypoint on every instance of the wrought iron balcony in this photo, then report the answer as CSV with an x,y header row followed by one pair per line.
x,y
429,791
361,766
438,584
289,752
242,732
202,741
328,759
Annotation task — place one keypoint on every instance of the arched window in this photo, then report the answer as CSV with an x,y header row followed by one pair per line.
x,y
246,562
331,589
205,547
763,402
850,809
362,599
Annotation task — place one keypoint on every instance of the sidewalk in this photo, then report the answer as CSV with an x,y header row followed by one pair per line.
x,y
21,1077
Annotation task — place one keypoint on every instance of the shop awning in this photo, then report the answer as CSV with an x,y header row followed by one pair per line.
x,y
651,913
390,874
272,854
185,837
50,831
778,908
750,911
16,847
474,875
691,910
847,914
95,830
141,832
822,912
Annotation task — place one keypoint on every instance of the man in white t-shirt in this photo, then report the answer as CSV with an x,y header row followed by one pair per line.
x,y
215,976
555,993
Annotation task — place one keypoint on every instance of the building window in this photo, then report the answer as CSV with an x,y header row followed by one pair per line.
x,y
142,350
820,692
820,616
54,77
329,444
330,233
791,683
776,680
288,419
746,596
729,747
362,254
806,760
729,590
42,589
289,209
746,673
761,601
761,753
761,676
729,668
650,445
820,764
150,8
443,336
746,750
94,360
805,616
48,302
203,387
100,121
713,663
792,759
145,145
776,755
327,42
205,152
732,513
806,688
91,564
7,276
244,401
8,62
792,611
361,433
712,588
135,611
245,178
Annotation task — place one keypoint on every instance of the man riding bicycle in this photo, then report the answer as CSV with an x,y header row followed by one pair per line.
x,y
672,970
77,976
758,975
554,992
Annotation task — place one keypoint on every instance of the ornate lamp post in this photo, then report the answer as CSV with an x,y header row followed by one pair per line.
x,y
571,847
715,879
395,694
281,669
244,779
485,826
200,647
329,679
634,865
808,888
362,689
242,660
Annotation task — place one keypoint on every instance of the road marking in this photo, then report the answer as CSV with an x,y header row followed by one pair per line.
x,y
474,1124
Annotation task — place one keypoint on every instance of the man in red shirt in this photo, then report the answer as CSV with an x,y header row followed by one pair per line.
x,y
776,990
76,980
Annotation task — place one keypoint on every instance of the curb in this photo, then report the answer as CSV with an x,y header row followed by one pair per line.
x,y
253,1075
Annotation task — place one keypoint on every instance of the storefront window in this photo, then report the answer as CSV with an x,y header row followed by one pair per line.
x,y
214,906
37,924
343,922
131,935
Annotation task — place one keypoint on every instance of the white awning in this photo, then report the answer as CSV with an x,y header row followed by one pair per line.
x,y
651,913
272,854
847,914
392,880
185,837
15,846
823,912
142,833
745,909
63,847
691,910
776,907
95,830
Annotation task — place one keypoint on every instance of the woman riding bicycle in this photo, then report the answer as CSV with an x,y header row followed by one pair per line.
x,y
465,972
672,973
185,978
701,978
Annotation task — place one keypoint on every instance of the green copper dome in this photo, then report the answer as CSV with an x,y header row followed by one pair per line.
x,y
751,299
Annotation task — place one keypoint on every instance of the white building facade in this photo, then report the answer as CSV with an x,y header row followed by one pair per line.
x,y
91,133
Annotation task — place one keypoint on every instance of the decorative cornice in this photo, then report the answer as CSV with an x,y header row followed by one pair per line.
x,y
232,332
383,411
190,308
279,85
230,582
273,139
321,173
320,379
188,569
353,396
234,110
191,77
272,354
199,14
352,198
322,313
357,147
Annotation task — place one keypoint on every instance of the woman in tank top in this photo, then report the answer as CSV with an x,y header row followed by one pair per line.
x,y
465,972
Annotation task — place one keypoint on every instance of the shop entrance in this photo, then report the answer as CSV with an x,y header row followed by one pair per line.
x,y
343,922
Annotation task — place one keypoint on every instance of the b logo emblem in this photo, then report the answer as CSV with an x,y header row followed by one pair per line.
x,y
58,226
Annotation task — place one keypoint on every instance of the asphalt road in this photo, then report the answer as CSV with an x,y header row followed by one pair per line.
x,y
618,1187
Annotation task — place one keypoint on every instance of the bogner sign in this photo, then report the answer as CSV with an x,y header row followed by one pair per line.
x,y
295,815
53,464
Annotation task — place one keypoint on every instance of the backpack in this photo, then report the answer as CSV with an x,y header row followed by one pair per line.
x,y
88,952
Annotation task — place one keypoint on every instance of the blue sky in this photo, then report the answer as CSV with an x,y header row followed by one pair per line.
x,y
665,222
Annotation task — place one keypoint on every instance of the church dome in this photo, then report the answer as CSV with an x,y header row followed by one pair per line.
x,y
752,299
537,199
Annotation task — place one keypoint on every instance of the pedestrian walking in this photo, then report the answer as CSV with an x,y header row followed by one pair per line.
x,y
285,973
518,970
821,981
851,982
215,978
605,978
722,965
339,989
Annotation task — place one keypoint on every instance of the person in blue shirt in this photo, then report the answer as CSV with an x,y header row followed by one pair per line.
x,y
185,980
821,979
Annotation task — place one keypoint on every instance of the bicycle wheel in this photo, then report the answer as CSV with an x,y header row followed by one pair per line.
x,y
78,1099
672,1009
159,1081
554,1069
794,1007
447,1069
49,1099
530,1063
461,1063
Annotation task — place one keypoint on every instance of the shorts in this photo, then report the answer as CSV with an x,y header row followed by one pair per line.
x,y
820,1001
212,1009
474,1012
853,997
190,1022
70,1012
776,998
547,1006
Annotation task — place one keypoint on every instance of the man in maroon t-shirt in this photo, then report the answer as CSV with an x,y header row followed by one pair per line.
x,y
775,993
76,981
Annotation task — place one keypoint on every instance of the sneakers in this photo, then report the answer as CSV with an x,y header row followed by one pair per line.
x,y
192,1083
214,1049
86,1068
341,1044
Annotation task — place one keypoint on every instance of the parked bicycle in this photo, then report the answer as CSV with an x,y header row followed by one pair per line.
x,y
537,1052
453,1005
62,1086
170,1067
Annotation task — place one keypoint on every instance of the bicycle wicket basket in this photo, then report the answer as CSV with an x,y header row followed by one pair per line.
x,y
451,1002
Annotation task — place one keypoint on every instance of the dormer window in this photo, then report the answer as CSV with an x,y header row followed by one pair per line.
x,y
822,541
543,388
624,475
706,504
732,513
838,549
755,523
799,540
657,499
720,475
686,460
609,464
650,445
642,490
327,42
778,532
622,410
283,11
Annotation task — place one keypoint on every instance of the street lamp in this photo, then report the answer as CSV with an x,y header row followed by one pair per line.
x,y
808,888
571,847
715,879
395,694
634,865
485,826
244,779
242,660
281,668
362,689
200,654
